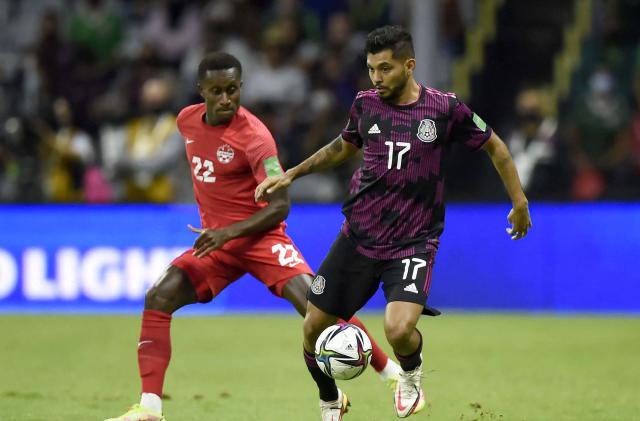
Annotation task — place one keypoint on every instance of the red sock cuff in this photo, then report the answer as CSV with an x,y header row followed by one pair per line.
x,y
155,316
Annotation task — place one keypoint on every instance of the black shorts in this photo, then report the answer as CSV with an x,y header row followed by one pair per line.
x,y
347,279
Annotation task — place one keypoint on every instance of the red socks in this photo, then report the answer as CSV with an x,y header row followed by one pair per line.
x,y
154,350
378,357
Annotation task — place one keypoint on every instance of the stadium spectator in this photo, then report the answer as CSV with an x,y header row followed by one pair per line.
x,y
143,156
20,163
68,152
597,137
635,132
343,50
97,27
172,27
277,90
54,58
534,145
302,62
277,80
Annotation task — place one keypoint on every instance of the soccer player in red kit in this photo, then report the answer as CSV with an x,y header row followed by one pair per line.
x,y
231,152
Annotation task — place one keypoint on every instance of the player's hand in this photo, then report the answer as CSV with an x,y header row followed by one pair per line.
x,y
208,240
271,184
520,221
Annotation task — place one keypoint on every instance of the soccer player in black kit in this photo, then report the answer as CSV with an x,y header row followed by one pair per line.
x,y
394,214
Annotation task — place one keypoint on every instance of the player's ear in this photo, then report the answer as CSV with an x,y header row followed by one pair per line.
x,y
410,65
200,90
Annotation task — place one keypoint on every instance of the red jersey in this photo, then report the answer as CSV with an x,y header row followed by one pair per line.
x,y
227,164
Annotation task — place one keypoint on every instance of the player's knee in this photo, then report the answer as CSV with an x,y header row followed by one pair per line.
x,y
171,292
310,329
399,332
154,299
313,326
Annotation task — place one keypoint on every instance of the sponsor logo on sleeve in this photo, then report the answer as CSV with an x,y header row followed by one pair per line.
x,y
479,122
272,166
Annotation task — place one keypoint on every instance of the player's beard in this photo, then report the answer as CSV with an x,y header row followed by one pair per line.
x,y
395,93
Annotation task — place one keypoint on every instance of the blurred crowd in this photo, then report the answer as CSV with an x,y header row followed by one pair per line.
x,y
89,91
591,150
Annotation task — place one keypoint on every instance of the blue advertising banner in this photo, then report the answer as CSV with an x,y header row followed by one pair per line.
x,y
103,258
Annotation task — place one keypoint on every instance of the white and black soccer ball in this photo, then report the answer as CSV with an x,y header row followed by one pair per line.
x,y
343,351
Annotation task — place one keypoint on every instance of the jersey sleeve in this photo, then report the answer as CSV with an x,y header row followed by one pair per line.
x,y
350,133
263,156
185,116
468,128
180,118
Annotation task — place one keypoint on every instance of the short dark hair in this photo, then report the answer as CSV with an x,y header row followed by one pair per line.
x,y
218,61
395,37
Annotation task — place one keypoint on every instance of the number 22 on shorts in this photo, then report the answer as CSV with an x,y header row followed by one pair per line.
x,y
287,254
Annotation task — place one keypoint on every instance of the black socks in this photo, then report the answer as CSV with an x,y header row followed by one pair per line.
x,y
411,362
326,385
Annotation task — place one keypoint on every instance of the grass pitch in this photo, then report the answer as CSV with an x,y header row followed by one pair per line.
x,y
478,367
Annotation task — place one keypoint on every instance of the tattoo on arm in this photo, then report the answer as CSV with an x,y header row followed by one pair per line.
x,y
336,145
328,153
329,156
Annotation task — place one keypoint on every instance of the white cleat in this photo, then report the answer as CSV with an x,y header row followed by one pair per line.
x,y
139,413
409,397
334,410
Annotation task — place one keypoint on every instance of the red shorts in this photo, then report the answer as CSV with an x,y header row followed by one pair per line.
x,y
272,258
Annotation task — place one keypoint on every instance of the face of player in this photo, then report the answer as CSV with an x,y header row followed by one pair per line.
x,y
389,75
220,90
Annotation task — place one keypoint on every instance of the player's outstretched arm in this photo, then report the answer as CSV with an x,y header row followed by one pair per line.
x,y
518,217
266,218
329,156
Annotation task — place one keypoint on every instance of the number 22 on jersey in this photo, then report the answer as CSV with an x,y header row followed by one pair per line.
x,y
208,170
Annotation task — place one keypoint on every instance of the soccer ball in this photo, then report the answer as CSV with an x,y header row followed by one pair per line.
x,y
343,351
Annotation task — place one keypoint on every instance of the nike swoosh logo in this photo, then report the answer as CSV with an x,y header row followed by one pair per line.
x,y
399,403
189,141
142,343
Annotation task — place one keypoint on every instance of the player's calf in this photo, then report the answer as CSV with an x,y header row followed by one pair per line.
x,y
409,396
406,340
315,321
402,336
386,368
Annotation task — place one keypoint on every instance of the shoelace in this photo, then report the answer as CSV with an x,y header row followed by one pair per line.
x,y
411,381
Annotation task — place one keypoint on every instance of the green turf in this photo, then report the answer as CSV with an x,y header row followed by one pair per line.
x,y
478,367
